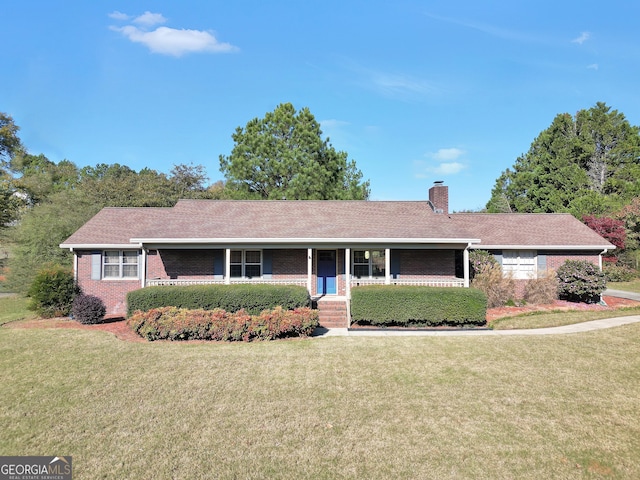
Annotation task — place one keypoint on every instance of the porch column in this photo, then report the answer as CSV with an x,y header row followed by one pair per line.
x,y
143,268
465,261
309,270
347,272
227,266
387,266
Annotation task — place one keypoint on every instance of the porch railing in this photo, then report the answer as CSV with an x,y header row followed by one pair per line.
x,y
220,281
427,282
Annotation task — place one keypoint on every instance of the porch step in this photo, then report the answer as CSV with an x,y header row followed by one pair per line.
x,y
332,313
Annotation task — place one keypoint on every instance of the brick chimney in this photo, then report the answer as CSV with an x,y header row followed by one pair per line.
x,y
439,197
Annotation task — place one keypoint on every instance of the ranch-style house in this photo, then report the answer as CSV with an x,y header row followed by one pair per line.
x,y
329,247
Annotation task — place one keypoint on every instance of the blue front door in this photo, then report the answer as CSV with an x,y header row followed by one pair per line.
x,y
327,272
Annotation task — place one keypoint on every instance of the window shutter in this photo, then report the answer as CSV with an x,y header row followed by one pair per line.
x,y
395,263
218,264
140,269
267,264
96,265
542,263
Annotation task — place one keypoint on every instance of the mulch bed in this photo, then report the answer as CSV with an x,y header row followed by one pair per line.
x,y
118,325
612,303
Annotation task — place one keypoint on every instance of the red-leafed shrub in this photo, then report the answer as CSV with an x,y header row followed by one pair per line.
x,y
171,323
88,309
609,228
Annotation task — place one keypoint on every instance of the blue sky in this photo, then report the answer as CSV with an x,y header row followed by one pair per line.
x,y
414,91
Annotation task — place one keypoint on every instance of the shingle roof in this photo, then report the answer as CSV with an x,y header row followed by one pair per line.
x,y
194,221
115,226
529,229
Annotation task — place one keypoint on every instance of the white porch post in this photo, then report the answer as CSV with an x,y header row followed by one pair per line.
x,y
143,273
227,266
309,270
465,261
387,266
347,272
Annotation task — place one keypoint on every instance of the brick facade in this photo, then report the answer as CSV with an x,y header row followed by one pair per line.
x,y
286,264
112,292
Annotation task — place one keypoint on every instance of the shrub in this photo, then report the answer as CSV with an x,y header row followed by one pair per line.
x,y
581,281
498,288
52,291
88,309
619,273
481,260
172,323
417,306
541,290
232,298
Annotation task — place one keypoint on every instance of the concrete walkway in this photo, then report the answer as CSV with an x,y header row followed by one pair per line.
x,y
575,328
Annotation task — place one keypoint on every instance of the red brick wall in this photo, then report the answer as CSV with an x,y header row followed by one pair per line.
x,y
555,260
181,264
419,264
289,264
112,292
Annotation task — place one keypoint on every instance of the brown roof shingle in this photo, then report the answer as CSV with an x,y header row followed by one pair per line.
x,y
194,221
530,229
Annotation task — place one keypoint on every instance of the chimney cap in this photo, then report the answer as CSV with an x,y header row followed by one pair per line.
x,y
438,182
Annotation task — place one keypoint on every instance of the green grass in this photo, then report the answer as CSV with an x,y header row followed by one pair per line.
x,y
563,406
14,308
633,286
558,318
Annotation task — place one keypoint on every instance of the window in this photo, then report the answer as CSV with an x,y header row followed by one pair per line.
x,y
120,264
368,263
246,263
520,263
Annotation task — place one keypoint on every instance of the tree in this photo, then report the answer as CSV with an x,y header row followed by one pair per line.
x,y
611,229
283,156
586,165
10,146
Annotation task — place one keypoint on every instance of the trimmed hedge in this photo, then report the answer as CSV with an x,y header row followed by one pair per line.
x,y
171,323
232,298
418,306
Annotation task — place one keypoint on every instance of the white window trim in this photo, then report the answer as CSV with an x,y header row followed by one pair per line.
x,y
370,262
244,262
121,265
520,266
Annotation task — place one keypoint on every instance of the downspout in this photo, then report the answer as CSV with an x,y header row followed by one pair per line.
x,y
600,257
75,266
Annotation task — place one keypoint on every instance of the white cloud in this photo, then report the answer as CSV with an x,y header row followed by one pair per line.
x,y
449,168
400,85
593,66
169,41
148,18
447,154
584,36
445,163
119,16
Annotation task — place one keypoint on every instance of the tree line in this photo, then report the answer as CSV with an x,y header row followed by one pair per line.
x,y
280,156
587,164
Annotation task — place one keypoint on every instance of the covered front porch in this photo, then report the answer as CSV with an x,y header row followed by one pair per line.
x,y
323,270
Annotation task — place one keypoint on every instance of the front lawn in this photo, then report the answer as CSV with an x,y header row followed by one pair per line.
x,y
563,406
633,286
557,319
